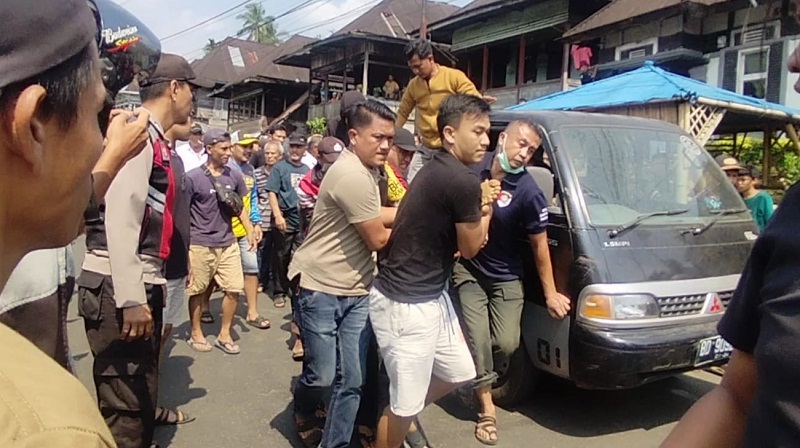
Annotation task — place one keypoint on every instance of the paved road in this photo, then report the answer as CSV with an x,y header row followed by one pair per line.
x,y
245,401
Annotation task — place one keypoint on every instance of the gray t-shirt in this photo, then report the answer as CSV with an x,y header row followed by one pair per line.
x,y
210,228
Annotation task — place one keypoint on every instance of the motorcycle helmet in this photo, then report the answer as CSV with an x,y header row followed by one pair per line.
x,y
127,47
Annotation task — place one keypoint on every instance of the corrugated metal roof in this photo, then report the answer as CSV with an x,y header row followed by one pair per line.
x,y
621,10
223,65
390,17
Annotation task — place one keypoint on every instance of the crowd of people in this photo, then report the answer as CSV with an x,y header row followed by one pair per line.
x,y
396,258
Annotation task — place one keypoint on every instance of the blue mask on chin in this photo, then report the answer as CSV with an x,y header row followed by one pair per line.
x,y
502,158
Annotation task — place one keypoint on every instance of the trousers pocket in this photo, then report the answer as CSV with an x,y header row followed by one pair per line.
x,y
90,290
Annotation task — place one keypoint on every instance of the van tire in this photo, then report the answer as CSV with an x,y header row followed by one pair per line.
x,y
516,384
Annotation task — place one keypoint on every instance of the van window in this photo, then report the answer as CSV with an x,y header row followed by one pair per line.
x,y
625,172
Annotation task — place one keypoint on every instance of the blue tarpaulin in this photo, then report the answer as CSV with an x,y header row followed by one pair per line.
x,y
641,86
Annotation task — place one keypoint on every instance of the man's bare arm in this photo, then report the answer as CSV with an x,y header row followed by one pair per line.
x,y
374,233
124,140
719,419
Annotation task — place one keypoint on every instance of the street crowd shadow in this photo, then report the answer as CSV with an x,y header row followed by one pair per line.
x,y
564,408
283,422
175,381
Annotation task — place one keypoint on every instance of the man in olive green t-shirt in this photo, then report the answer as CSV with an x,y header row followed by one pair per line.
x,y
336,266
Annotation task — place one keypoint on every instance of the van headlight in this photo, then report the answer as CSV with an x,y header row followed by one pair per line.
x,y
619,307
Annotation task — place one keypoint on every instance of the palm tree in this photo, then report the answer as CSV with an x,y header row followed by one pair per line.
x,y
210,46
257,25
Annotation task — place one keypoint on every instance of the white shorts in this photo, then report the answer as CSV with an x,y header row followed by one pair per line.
x,y
175,302
418,340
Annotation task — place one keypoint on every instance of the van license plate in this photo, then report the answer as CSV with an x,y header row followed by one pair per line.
x,y
712,349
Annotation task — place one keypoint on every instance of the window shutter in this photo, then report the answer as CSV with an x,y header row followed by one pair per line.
x,y
730,60
774,72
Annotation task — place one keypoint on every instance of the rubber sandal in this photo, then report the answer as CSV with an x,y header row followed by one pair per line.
x,y
260,322
298,353
166,417
207,318
488,424
203,347
309,432
417,439
228,347
366,437
279,302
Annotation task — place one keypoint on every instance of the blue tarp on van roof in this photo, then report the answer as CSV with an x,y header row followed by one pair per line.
x,y
641,86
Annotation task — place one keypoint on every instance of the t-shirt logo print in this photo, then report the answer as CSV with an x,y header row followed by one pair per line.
x,y
504,199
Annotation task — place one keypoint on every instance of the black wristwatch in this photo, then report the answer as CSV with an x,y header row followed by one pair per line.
x,y
93,214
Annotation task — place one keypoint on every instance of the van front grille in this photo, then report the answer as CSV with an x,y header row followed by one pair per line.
x,y
688,305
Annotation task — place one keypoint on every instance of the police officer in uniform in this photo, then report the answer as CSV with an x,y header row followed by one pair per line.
x,y
121,288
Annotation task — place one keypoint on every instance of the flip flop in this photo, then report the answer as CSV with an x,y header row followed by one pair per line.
x,y
166,417
298,353
207,318
199,346
259,322
228,347
279,302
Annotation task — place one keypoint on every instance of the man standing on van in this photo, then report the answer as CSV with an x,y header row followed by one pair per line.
x,y
489,286
449,211
431,84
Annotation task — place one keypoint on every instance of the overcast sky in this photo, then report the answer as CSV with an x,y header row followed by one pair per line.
x,y
166,17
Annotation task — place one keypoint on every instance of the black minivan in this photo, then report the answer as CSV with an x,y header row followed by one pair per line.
x,y
647,237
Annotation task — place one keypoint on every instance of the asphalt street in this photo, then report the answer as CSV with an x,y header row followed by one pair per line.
x,y
245,400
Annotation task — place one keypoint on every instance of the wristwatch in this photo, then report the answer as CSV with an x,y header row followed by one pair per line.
x,y
93,214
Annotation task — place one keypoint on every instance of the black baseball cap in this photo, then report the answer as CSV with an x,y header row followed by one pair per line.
x,y
37,37
404,139
196,129
297,139
173,67
214,136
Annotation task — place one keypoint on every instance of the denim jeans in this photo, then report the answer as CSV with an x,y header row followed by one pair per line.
x,y
336,335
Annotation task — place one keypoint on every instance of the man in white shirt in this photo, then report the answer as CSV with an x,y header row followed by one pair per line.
x,y
192,153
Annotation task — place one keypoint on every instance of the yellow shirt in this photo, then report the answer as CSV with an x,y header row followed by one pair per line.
x,y
43,405
426,96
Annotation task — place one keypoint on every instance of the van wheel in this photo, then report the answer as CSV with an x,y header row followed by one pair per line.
x,y
516,382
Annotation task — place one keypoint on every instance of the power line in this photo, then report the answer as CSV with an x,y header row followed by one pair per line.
x,y
271,19
201,23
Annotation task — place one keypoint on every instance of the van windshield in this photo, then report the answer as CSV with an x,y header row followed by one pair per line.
x,y
624,173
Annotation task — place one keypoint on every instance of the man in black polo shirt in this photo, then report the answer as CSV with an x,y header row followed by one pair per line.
x,y
446,211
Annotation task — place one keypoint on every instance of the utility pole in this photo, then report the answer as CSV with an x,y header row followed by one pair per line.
x,y
423,29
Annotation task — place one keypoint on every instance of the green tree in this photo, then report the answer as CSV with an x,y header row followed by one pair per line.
x,y
210,46
257,25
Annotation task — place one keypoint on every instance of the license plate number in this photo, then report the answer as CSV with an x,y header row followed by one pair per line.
x,y
712,349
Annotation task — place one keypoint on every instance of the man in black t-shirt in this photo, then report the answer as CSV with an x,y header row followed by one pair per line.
x,y
758,402
446,210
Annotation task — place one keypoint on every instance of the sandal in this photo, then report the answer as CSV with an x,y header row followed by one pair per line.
x,y
309,432
366,437
199,346
228,347
206,317
298,353
259,322
279,302
417,439
488,425
165,416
